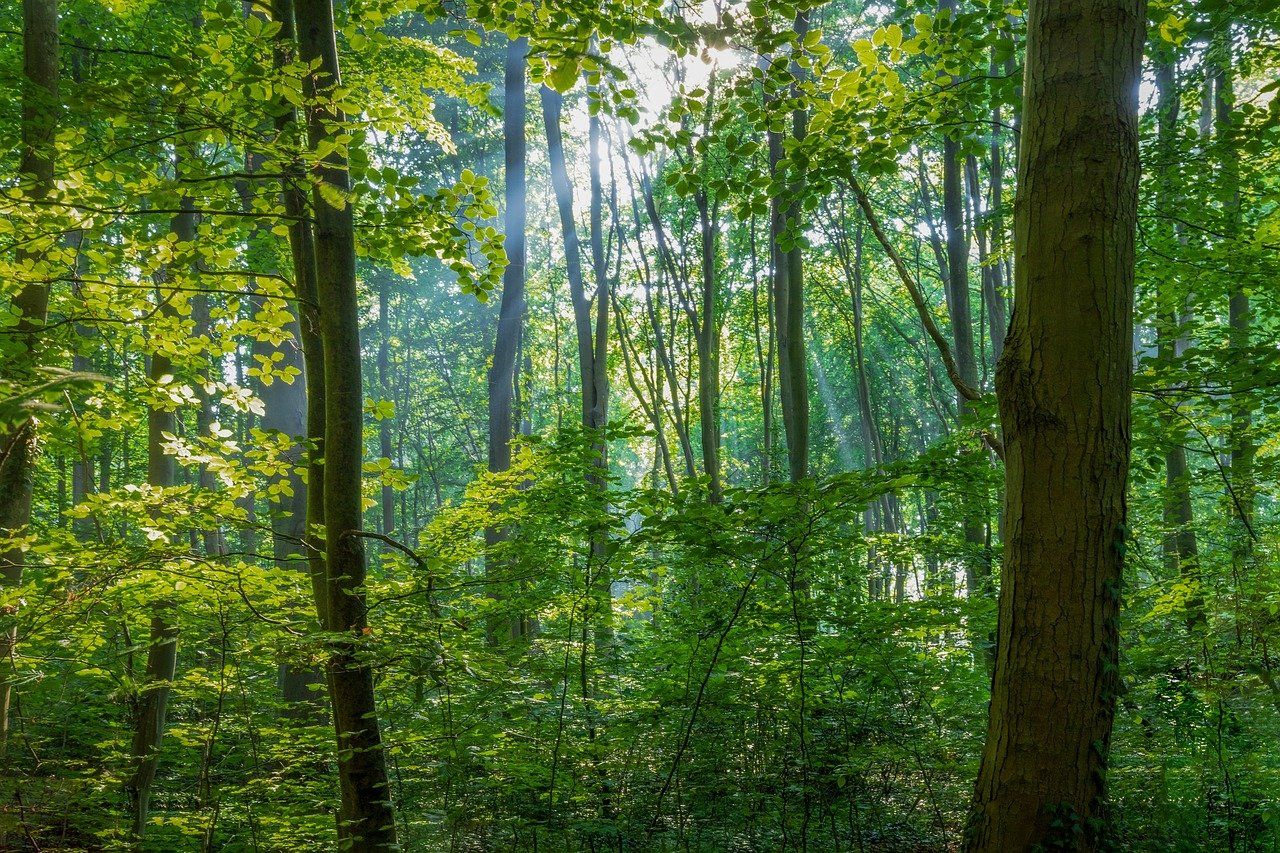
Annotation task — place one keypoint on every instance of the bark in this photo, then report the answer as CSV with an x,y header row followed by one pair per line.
x,y
302,252
960,313
1063,387
788,294
502,373
366,817
18,450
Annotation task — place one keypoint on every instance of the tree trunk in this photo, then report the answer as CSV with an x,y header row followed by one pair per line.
x,y
1181,551
388,520
366,819
152,700
1239,318
788,296
502,373
1063,386
18,443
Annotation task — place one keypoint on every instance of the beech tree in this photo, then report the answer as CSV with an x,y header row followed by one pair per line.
x,y
1064,382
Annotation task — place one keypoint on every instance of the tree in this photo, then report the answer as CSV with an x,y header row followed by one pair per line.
x,y
511,308
366,819
1063,385
18,441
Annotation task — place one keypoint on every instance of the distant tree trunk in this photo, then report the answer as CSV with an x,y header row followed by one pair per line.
x,y
366,818
502,374
388,520
707,331
788,296
765,356
152,700
992,286
591,332
1063,386
18,443
1181,551
1239,316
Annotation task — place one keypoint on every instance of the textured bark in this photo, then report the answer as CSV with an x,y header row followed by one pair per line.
x,y
366,820
1063,385
18,443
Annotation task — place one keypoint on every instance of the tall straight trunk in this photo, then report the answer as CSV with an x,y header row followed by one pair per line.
x,y
765,354
997,310
152,700
992,286
366,818
1063,387
591,330
502,373
707,344
31,305
788,296
1239,316
388,497
598,415
961,315
1181,550
302,252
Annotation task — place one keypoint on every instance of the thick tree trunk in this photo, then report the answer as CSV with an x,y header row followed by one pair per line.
x,y
18,443
1063,386
366,819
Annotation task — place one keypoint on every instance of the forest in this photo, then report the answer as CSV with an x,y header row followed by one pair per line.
x,y
637,425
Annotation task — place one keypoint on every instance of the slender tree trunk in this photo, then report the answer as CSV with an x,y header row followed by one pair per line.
x,y
788,297
366,818
502,373
1239,316
1063,386
18,444
388,520
1181,551
152,700
992,286
707,332
765,355
302,251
